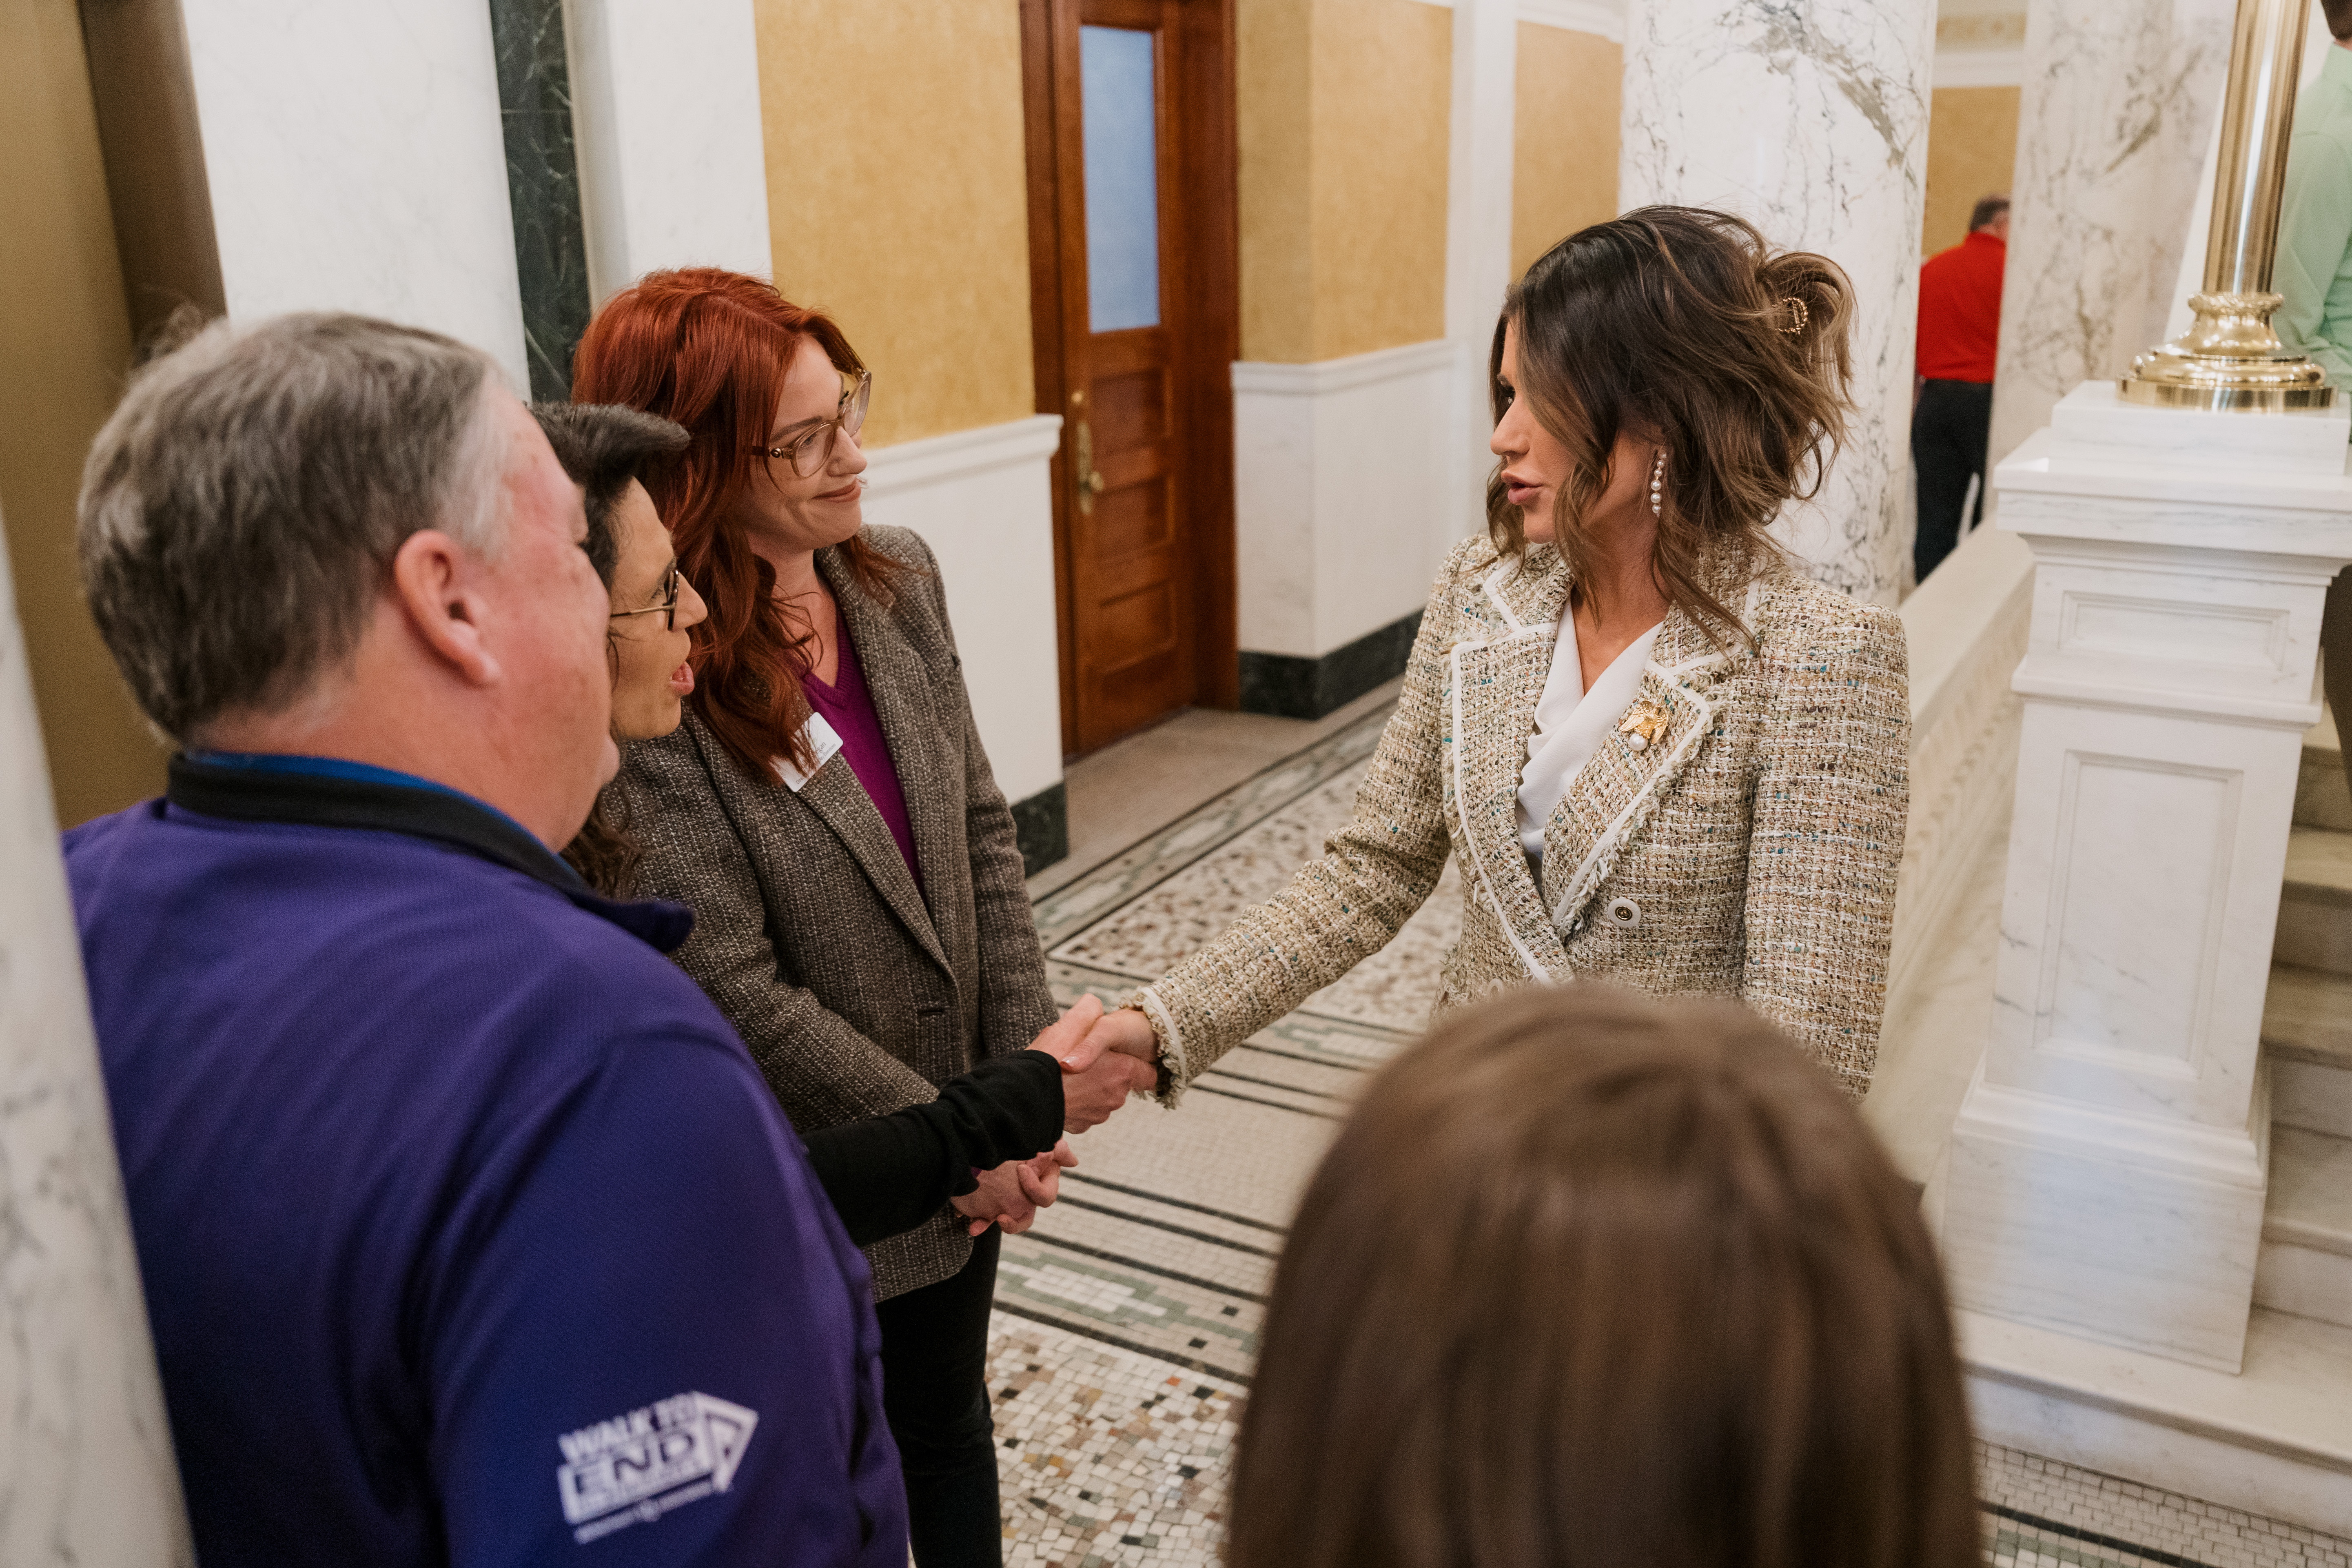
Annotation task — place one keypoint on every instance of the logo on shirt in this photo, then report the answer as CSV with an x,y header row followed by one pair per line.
x,y
634,1468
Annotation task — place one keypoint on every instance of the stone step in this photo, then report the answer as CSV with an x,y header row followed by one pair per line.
x,y
2314,928
2307,1036
2306,1266
2322,796
2271,1438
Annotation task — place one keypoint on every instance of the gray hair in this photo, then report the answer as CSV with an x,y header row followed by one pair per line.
x,y
240,510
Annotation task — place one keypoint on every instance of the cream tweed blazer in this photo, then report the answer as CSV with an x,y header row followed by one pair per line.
x,y
1750,849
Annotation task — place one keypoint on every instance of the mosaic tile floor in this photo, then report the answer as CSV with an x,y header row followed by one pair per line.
x,y
1128,1319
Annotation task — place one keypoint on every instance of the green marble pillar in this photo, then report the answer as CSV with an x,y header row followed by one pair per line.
x,y
543,184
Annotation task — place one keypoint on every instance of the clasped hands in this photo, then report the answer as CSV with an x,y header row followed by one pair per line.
x,y
1104,1057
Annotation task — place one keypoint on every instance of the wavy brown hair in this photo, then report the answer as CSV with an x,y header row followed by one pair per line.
x,y
710,349
1592,1279
1681,324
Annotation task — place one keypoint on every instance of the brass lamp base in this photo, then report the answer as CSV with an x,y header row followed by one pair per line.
x,y
2229,359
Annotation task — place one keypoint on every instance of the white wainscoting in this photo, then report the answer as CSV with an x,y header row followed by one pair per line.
x,y
356,162
983,499
1342,508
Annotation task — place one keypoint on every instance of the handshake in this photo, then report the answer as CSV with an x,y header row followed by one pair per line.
x,y
1105,1057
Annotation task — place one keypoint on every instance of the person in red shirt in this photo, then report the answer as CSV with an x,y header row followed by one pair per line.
x,y
1959,324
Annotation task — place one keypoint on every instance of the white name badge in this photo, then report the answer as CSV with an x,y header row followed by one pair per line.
x,y
823,740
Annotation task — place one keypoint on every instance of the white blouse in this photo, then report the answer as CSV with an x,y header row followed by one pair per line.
x,y
1571,725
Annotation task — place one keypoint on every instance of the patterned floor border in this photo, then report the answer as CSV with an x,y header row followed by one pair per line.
x,y
1068,911
1128,1319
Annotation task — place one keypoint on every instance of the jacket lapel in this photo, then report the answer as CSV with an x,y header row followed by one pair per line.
x,y
919,751
1496,679
1611,796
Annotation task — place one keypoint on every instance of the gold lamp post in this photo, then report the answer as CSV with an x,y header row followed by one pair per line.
x,y
2231,358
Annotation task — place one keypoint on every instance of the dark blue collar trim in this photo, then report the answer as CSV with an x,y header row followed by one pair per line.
x,y
353,796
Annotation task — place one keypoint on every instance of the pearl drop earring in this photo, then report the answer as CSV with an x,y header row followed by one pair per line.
x,y
1657,485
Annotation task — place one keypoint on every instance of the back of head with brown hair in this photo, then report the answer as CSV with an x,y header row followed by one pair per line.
x,y
2340,17
1593,1280
1681,324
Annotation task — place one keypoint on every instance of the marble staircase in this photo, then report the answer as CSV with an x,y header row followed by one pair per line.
x,y
2306,1262
2121,1169
2277,1435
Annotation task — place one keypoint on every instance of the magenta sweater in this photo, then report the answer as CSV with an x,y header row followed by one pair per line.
x,y
850,709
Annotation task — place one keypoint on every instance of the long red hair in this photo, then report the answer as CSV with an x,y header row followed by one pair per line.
x,y
710,349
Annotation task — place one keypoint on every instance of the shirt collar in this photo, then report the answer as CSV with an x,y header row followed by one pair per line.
x,y
339,768
329,791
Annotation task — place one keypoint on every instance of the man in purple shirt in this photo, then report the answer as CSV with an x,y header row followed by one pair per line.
x,y
470,1234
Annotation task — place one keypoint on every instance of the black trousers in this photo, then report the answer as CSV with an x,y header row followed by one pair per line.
x,y
1949,431
935,1394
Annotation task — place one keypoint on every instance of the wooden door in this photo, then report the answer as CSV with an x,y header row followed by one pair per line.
x,y
1134,304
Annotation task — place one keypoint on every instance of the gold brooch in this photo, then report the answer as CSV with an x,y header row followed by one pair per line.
x,y
1642,723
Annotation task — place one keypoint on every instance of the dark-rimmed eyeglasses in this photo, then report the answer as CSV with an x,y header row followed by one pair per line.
x,y
666,607
810,451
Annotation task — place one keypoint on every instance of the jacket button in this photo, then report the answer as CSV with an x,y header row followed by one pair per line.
x,y
1624,913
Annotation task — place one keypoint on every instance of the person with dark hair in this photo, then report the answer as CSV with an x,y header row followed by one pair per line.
x,y
470,1234
1671,1304
827,811
603,448
1951,418
1659,754
889,1175
2314,275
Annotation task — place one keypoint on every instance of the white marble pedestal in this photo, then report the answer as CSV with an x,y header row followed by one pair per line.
x,y
2107,1168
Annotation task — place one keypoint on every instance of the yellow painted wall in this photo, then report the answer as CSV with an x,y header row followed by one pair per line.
x,y
1343,109
1564,144
1273,75
1971,153
1380,110
64,339
897,197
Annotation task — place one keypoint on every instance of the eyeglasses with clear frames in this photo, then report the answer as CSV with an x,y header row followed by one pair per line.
x,y
809,452
666,607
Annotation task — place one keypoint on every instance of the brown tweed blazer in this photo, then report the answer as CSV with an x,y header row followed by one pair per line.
x,y
1750,848
857,992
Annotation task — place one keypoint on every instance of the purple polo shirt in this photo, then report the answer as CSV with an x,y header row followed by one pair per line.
x,y
470,1234
848,706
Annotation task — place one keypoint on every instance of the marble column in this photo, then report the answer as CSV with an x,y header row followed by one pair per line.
x,y
2118,108
1809,119
1480,146
354,161
542,186
673,151
86,1468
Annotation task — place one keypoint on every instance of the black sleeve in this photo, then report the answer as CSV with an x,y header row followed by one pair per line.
x,y
887,1174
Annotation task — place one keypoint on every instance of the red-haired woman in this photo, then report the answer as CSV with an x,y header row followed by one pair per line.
x,y
828,812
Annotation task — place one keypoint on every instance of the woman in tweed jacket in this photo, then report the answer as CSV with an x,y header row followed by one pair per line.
x,y
1661,757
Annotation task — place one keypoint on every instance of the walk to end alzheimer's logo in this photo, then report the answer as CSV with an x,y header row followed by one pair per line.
x,y
635,1467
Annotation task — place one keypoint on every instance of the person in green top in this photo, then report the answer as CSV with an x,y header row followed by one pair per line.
x,y
2314,271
